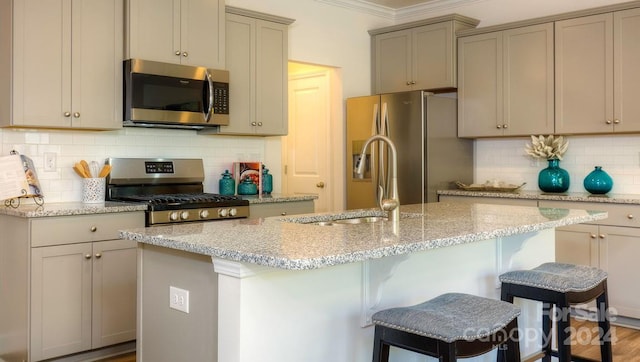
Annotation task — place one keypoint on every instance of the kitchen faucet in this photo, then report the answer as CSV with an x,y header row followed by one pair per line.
x,y
391,204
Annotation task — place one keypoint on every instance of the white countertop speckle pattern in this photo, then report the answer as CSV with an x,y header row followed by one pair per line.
x,y
273,198
296,243
69,209
539,195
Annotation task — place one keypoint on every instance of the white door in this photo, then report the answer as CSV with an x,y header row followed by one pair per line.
x,y
306,148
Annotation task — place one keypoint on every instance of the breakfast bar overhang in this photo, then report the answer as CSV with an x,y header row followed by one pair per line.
x,y
303,288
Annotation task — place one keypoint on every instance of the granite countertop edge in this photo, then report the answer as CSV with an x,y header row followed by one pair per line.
x,y
538,195
70,209
276,198
415,242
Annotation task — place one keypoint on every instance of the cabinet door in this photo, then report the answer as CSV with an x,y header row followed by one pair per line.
x,y
393,71
97,53
60,300
114,292
619,250
528,80
202,33
626,76
577,244
480,85
272,56
240,59
584,74
433,60
41,63
154,32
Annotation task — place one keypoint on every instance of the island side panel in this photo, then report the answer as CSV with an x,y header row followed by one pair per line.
x,y
166,334
320,315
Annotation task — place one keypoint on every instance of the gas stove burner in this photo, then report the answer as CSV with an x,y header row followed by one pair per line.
x,y
187,201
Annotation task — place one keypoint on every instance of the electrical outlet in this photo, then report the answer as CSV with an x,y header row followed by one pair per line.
x,y
179,299
50,161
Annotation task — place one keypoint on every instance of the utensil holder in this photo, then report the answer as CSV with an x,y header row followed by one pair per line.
x,y
93,190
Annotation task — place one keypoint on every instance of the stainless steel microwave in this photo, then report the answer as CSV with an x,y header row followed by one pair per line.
x,y
174,96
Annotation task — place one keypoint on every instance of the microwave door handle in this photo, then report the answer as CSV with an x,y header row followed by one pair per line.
x,y
207,114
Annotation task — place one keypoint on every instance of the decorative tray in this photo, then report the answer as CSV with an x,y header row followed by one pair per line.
x,y
492,187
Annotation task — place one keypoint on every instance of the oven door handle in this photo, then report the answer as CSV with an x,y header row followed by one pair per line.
x,y
208,113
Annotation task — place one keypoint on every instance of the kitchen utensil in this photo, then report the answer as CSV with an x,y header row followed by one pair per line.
x,y
80,170
106,169
85,167
95,169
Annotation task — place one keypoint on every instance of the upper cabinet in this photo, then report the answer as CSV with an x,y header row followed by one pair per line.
x,y
177,31
505,82
598,83
257,57
418,55
61,64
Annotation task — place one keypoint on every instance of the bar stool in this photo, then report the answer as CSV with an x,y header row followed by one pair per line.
x,y
560,285
449,326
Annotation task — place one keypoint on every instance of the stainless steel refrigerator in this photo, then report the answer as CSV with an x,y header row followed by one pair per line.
x,y
423,126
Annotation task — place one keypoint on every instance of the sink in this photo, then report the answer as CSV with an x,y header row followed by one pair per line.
x,y
347,218
361,220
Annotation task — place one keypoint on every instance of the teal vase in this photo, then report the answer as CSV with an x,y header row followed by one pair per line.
x,y
598,181
553,179
267,181
227,184
247,187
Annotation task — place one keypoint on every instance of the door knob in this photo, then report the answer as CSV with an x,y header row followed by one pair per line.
x,y
320,185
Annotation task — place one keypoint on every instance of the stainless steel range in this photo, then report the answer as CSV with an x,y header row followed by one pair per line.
x,y
172,189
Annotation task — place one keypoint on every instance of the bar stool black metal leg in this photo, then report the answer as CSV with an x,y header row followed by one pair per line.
x,y
380,349
547,310
447,351
564,333
604,328
511,349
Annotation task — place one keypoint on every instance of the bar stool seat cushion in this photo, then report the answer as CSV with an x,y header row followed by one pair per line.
x,y
558,277
450,317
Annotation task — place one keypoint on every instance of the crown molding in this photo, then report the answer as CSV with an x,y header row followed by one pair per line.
x,y
399,14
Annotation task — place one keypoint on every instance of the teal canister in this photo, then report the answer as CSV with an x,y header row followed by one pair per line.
x,y
598,181
227,184
267,181
247,187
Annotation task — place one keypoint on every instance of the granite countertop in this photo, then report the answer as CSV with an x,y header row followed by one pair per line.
x,y
272,198
294,242
539,195
69,209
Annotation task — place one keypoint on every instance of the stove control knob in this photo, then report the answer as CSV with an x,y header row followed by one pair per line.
x,y
204,214
184,215
173,216
223,212
233,212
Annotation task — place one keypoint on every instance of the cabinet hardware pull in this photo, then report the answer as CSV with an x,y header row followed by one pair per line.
x,y
630,216
602,236
177,52
93,229
98,255
320,184
616,121
67,114
87,256
593,236
260,124
283,213
185,54
253,123
504,126
76,114
608,121
498,126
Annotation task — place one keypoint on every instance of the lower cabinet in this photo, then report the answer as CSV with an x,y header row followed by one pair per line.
x,y
75,287
280,208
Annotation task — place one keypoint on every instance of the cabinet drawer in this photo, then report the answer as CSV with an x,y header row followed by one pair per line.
x,y
619,214
281,208
82,228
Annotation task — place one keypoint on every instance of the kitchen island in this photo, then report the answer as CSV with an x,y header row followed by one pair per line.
x,y
303,288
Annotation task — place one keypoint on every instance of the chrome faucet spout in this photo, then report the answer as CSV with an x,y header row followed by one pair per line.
x,y
392,203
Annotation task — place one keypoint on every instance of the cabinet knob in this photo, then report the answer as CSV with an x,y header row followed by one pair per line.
x,y
505,126
177,53
609,121
87,256
93,229
320,185
98,255
76,114
408,82
67,114
630,216
498,126
185,54
602,236
593,236
284,213
616,121
253,123
260,124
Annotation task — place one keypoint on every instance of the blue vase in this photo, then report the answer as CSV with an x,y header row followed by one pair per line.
x,y
227,184
247,187
267,181
553,178
598,181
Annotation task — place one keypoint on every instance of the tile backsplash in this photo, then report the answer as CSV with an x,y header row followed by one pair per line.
x,y
63,185
505,160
